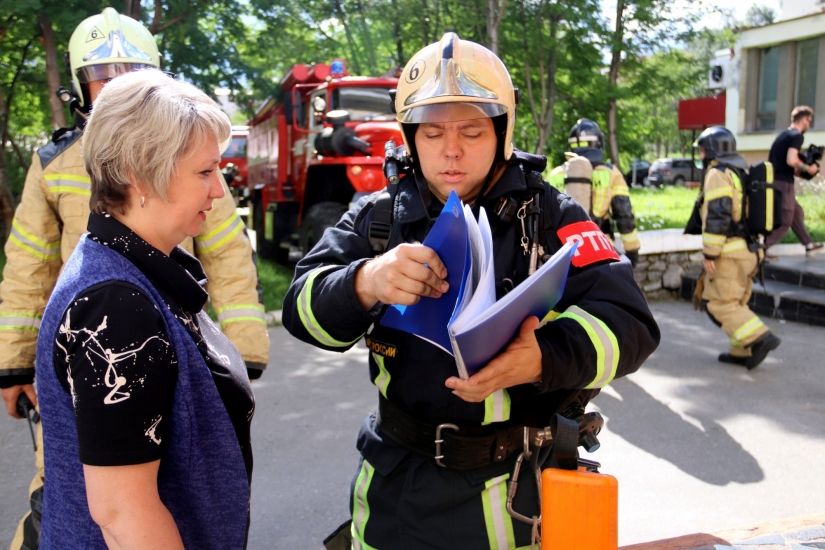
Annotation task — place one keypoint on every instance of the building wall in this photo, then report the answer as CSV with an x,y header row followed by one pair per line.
x,y
743,83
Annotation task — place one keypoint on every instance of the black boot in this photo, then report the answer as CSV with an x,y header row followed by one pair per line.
x,y
732,359
760,349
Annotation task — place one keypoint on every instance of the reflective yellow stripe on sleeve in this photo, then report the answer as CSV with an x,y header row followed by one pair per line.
x,y
620,190
496,407
220,235
712,239
242,312
734,244
308,318
632,237
726,191
69,183
19,321
603,339
31,244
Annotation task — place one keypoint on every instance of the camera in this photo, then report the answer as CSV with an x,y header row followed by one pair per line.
x,y
812,155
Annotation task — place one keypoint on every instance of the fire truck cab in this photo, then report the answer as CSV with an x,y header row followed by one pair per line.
x,y
234,165
313,149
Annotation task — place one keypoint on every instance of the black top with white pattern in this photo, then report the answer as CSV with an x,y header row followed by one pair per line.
x,y
113,354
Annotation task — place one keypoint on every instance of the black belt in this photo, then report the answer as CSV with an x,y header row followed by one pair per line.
x,y
454,447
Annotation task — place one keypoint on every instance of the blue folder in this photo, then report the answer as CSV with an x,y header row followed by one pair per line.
x,y
428,318
474,346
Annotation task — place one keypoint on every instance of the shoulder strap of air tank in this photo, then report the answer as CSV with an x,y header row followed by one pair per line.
x,y
536,184
379,225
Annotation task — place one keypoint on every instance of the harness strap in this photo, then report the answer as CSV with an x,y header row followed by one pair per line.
x,y
565,442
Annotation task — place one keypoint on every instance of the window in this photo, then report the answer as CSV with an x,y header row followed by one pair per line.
x,y
236,149
367,103
768,84
807,58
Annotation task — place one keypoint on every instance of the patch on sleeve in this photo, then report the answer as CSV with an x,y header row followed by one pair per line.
x,y
380,348
593,245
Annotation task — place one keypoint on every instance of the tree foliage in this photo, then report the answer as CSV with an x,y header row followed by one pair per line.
x,y
625,68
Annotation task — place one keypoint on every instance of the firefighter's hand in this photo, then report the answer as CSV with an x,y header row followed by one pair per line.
x,y
400,277
10,398
813,169
710,267
519,364
633,256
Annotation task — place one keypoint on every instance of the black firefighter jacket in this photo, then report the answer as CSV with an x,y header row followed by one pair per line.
x,y
604,328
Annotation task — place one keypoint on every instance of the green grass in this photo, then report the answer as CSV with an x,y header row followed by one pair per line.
x,y
812,200
670,207
275,279
662,208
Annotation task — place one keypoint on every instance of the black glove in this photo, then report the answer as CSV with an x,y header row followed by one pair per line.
x,y
633,256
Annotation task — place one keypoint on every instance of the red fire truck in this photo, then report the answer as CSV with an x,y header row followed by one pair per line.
x,y
234,165
313,149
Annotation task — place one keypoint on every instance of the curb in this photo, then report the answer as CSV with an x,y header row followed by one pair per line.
x,y
273,318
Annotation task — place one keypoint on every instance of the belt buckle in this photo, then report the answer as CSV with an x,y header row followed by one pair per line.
x,y
439,441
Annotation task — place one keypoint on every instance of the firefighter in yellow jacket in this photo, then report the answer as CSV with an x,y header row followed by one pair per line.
x,y
53,213
604,194
729,262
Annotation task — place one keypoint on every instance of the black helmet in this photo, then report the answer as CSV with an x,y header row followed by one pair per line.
x,y
585,134
718,142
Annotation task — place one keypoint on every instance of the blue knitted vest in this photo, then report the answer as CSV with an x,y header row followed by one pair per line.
x,y
202,479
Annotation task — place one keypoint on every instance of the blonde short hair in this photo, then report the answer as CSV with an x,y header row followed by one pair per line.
x,y
142,124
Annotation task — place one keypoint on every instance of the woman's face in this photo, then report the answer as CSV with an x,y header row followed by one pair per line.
x,y
192,188
456,156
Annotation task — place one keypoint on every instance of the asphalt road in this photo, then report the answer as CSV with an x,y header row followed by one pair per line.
x,y
696,445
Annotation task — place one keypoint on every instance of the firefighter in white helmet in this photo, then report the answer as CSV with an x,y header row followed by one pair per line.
x,y
436,458
53,213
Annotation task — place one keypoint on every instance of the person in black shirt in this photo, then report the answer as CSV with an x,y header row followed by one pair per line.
x,y
139,392
784,156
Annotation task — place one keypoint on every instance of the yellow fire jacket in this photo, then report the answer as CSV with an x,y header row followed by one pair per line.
x,y
721,212
54,212
609,200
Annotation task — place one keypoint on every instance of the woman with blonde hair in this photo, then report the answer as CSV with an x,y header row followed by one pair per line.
x,y
146,406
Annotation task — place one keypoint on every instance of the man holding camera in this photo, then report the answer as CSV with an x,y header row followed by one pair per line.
x,y
784,156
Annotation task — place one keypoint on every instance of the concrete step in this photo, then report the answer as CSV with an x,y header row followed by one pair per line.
x,y
784,296
808,271
789,301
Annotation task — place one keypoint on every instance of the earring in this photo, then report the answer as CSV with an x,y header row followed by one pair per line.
x,y
142,201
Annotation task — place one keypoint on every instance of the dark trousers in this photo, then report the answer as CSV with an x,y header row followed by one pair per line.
x,y
793,217
421,505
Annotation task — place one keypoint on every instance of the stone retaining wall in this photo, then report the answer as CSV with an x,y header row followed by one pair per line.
x,y
660,275
664,255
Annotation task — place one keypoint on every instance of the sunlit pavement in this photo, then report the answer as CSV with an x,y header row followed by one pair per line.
x,y
697,446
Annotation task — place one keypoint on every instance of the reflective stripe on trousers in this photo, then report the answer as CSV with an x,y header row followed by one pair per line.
x,y
498,520
360,506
